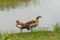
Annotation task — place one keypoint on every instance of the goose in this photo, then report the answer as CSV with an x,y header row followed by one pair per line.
x,y
33,23
28,25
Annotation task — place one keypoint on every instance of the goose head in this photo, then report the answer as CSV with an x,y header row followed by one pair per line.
x,y
38,17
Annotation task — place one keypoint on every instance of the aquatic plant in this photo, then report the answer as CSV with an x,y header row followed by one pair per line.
x,y
6,4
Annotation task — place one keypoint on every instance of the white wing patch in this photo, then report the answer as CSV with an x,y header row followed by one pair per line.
x,y
19,26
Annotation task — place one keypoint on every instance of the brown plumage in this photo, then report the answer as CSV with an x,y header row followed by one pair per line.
x,y
19,23
32,23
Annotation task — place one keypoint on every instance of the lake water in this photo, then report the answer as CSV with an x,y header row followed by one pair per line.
x,y
48,9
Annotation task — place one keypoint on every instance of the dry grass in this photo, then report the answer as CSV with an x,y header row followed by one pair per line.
x,y
13,3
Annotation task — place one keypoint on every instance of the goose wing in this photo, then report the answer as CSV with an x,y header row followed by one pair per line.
x,y
30,22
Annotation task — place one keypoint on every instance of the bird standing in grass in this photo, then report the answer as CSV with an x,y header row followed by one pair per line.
x,y
28,25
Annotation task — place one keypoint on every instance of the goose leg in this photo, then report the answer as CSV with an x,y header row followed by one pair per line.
x,y
31,29
21,30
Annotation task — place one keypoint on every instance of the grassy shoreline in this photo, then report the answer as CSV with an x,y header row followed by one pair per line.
x,y
40,35
36,35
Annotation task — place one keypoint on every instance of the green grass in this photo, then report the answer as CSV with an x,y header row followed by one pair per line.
x,y
40,35
36,35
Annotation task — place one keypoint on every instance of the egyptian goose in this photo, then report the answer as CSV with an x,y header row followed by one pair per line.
x,y
33,23
21,25
28,25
